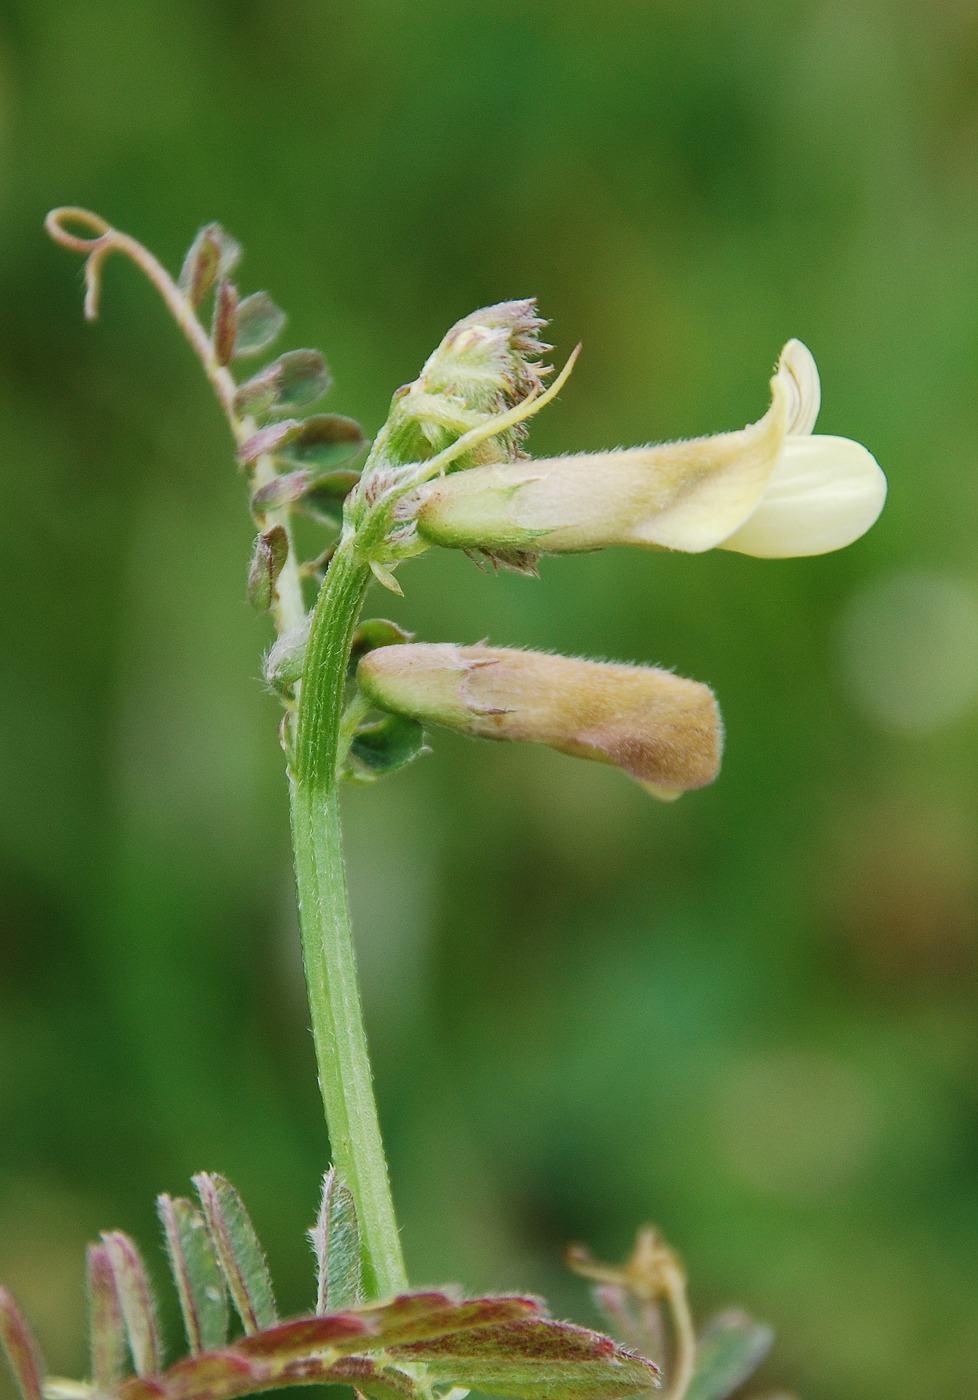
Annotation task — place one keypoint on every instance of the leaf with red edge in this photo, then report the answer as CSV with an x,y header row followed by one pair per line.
x,y
259,322
327,440
106,1329
239,1255
136,1301
296,378
268,439
335,1239
535,1359
21,1349
224,330
340,1333
193,1263
212,254
369,1378
421,1317
216,1375
227,1375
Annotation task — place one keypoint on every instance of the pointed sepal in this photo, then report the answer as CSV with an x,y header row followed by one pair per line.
x,y
384,746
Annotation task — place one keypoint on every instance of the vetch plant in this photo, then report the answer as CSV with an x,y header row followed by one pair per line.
x,y
447,468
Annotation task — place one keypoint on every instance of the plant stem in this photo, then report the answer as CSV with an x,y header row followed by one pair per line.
x,y
334,999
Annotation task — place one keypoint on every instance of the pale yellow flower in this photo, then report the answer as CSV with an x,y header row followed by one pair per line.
x,y
773,489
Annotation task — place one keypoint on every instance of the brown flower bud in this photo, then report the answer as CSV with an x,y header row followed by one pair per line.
x,y
662,730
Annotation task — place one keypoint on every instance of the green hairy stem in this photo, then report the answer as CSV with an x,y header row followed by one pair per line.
x,y
337,1021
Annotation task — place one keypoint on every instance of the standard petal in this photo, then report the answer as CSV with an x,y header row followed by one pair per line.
x,y
798,363
824,493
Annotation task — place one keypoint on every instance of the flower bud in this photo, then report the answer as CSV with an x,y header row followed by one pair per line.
x,y
771,489
487,363
662,730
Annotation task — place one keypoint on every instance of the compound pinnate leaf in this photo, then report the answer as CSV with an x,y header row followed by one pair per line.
x,y
385,745
199,1283
327,440
239,1255
335,1240
296,378
280,491
259,322
302,378
503,1344
21,1349
136,1302
324,496
224,331
533,1359
106,1329
269,555
268,439
729,1351
212,254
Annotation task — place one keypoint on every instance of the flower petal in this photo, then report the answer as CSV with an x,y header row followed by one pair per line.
x,y
686,496
797,363
824,493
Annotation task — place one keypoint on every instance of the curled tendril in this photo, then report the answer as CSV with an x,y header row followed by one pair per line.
x,y
108,240
94,250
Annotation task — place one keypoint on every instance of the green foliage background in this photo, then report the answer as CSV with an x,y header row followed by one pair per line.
x,y
750,1017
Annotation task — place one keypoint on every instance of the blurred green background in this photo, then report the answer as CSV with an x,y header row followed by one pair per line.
x,y
749,1017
